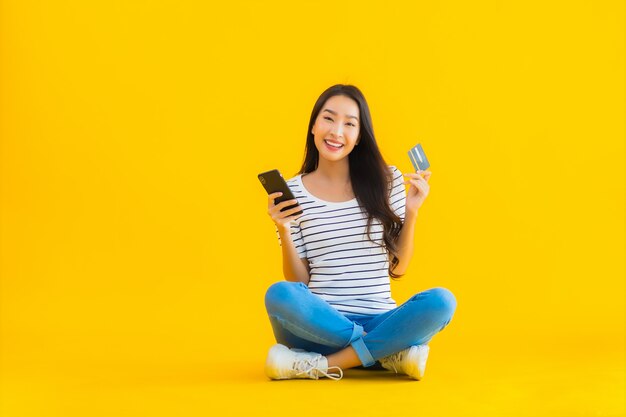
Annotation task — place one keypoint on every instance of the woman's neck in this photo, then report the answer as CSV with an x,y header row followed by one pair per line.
x,y
333,172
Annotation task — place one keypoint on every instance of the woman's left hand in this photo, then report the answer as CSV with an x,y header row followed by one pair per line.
x,y
418,190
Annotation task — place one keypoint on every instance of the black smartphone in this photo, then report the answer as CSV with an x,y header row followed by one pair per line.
x,y
274,182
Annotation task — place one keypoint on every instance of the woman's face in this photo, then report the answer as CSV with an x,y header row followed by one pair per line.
x,y
338,122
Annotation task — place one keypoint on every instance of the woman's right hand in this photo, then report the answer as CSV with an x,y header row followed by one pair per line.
x,y
282,218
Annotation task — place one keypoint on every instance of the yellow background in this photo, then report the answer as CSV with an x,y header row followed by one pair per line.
x,y
135,242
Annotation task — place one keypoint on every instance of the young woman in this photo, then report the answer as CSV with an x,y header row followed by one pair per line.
x,y
335,310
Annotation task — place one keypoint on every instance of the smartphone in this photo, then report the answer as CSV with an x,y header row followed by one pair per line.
x,y
273,182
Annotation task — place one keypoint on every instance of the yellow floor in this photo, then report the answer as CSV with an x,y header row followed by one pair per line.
x,y
569,384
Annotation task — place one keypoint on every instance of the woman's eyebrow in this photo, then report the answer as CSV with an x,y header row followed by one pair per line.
x,y
335,113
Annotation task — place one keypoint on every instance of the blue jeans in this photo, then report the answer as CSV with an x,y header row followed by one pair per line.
x,y
301,319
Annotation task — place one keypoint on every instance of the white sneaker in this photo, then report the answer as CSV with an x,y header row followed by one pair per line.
x,y
285,363
410,361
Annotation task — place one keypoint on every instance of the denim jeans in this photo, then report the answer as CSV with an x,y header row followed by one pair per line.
x,y
301,319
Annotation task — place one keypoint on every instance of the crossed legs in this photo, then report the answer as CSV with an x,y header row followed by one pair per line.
x,y
301,319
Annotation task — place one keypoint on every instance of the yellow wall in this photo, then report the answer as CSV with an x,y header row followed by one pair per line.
x,y
134,228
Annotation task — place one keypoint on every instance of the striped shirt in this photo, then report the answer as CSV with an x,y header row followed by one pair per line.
x,y
347,269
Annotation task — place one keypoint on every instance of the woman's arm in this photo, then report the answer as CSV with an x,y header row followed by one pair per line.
x,y
294,267
405,244
416,194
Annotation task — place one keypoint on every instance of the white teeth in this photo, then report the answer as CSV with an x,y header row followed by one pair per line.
x,y
333,145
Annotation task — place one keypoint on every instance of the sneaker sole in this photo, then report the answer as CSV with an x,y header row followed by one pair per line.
x,y
416,361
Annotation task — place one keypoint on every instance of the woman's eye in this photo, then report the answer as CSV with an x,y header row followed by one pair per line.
x,y
328,118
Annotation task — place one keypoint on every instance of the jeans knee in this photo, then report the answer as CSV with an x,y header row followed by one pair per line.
x,y
440,299
279,294
445,299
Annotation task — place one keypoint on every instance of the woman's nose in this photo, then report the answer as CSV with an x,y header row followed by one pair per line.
x,y
338,130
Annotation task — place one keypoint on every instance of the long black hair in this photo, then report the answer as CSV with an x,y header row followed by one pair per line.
x,y
370,175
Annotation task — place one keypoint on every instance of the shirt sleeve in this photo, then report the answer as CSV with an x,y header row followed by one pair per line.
x,y
397,197
296,237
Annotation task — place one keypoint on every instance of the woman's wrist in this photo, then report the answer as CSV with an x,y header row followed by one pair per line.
x,y
410,216
284,231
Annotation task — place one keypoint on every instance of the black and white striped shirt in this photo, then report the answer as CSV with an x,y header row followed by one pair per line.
x,y
347,270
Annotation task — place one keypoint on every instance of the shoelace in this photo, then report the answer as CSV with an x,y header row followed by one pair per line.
x,y
393,359
306,365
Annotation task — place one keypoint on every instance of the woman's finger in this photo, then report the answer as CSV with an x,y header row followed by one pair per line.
x,y
278,213
418,174
279,208
419,179
271,197
420,185
416,183
293,210
287,203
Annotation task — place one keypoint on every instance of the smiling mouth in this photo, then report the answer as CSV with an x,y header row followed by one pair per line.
x,y
333,144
